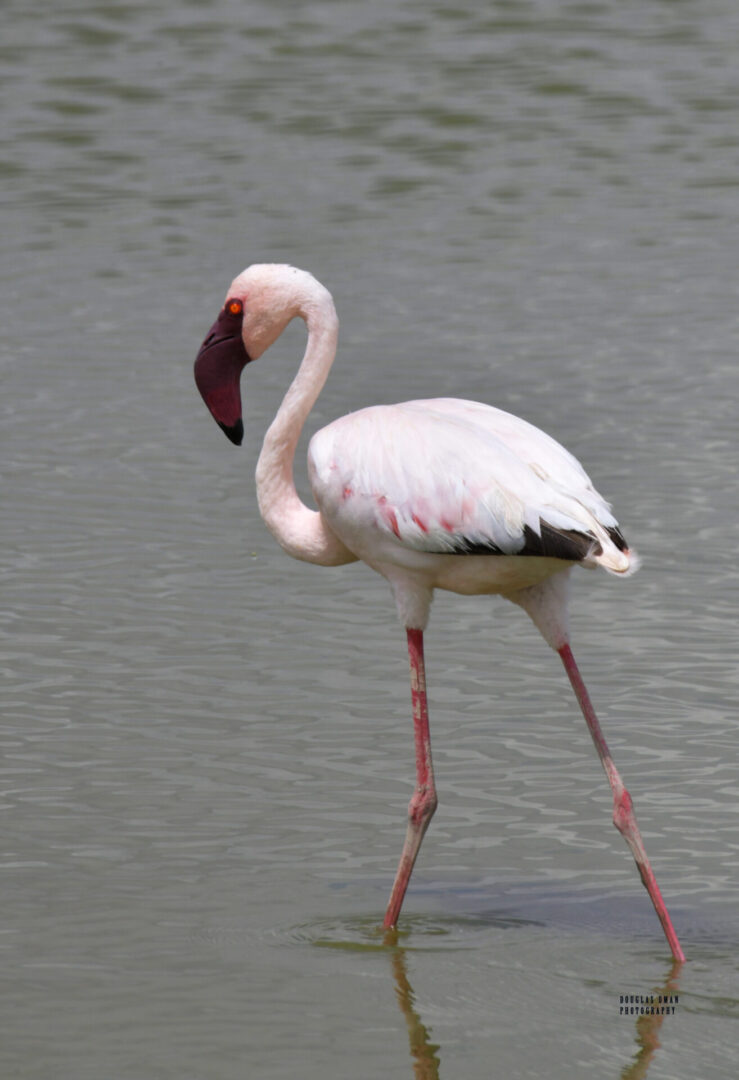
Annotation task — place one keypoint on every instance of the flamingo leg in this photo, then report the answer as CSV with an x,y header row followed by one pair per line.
x,y
623,811
423,801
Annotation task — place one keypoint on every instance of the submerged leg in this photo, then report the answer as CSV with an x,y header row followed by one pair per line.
x,y
623,812
423,801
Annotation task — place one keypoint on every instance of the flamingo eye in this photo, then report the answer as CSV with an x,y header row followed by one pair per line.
x,y
234,307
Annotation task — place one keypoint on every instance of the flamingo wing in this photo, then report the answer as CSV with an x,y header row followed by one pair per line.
x,y
458,477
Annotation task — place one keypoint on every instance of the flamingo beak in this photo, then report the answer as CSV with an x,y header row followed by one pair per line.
x,y
221,359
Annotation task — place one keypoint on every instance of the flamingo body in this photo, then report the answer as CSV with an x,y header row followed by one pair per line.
x,y
441,493
422,483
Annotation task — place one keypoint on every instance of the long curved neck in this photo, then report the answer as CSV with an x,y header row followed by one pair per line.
x,y
301,531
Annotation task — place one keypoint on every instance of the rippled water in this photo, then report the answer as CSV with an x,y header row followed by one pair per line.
x,y
206,747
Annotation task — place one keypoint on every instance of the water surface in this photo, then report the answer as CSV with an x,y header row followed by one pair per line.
x,y
206,747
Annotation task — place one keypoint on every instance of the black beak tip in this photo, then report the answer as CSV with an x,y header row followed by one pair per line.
x,y
235,433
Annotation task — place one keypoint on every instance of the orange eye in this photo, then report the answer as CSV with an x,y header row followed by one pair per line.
x,y
234,307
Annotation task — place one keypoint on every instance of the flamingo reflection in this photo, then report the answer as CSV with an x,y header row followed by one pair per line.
x,y
425,1053
647,1029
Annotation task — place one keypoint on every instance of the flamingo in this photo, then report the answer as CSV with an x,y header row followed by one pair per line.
x,y
434,494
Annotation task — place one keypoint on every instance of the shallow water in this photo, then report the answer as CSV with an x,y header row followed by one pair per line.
x,y
206,747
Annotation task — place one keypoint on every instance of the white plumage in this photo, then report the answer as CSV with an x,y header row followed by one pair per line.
x,y
446,476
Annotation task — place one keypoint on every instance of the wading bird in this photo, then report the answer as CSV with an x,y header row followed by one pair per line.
x,y
436,494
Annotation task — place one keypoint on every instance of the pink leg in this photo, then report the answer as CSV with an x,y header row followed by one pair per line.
x,y
423,801
623,813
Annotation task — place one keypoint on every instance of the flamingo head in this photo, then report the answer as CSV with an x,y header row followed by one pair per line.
x,y
259,304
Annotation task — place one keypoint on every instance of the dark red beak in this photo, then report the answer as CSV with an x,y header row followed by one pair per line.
x,y
220,361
